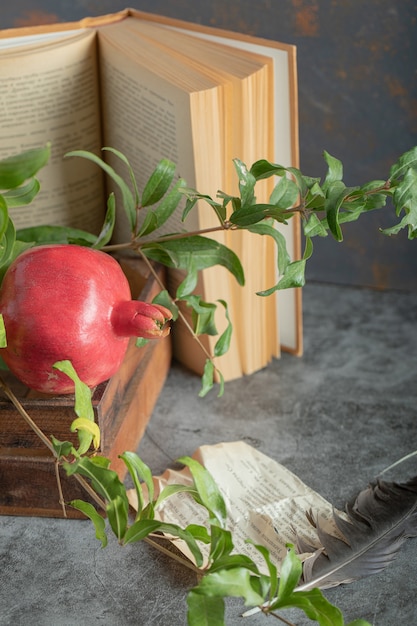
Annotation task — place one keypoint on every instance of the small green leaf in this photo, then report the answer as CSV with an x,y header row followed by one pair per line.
x,y
109,222
4,216
202,315
165,300
104,480
267,228
204,610
45,234
334,200
223,343
205,253
83,406
291,570
123,158
142,528
158,183
247,183
3,338
221,543
157,217
207,379
15,170
22,195
128,199
140,342
138,471
236,582
334,172
265,169
252,214
62,448
7,243
209,494
405,162
285,193
98,521
171,490
117,514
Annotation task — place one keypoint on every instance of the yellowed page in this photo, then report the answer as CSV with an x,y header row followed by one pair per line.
x,y
49,93
248,119
155,107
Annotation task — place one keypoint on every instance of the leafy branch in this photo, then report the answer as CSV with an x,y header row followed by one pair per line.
x,y
324,207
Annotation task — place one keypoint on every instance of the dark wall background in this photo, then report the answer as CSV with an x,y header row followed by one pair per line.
x,y
357,64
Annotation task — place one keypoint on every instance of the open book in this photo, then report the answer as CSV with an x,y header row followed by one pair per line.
x,y
154,88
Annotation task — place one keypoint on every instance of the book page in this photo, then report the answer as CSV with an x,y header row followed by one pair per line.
x,y
285,135
265,502
49,93
156,107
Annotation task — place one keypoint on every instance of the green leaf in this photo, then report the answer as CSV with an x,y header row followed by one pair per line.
x,y
205,253
98,521
22,195
207,379
223,342
285,193
405,162
221,543
405,199
83,406
117,514
314,605
128,199
109,222
142,528
45,234
138,471
171,490
62,448
123,158
189,283
231,561
165,300
334,172
158,183
334,200
15,170
265,169
208,492
315,227
104,481
193,196
236,582
3,339
272,570
204,610
249,215
140,342
4,216
291,570
247,183
157,217
7,244
202,315
267,228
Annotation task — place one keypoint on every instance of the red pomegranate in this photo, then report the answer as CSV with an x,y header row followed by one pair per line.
x,y
69,302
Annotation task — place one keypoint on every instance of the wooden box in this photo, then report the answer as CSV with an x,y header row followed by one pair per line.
x,y
123,407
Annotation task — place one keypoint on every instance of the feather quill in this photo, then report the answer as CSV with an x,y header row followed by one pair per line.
x,y
375,525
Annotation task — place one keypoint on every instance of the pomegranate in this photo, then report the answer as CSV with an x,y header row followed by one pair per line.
x,y
69,302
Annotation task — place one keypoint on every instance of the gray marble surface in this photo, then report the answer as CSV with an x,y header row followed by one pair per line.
x,y
335,417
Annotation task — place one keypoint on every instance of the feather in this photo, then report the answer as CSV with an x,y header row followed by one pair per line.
x,y
375,525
